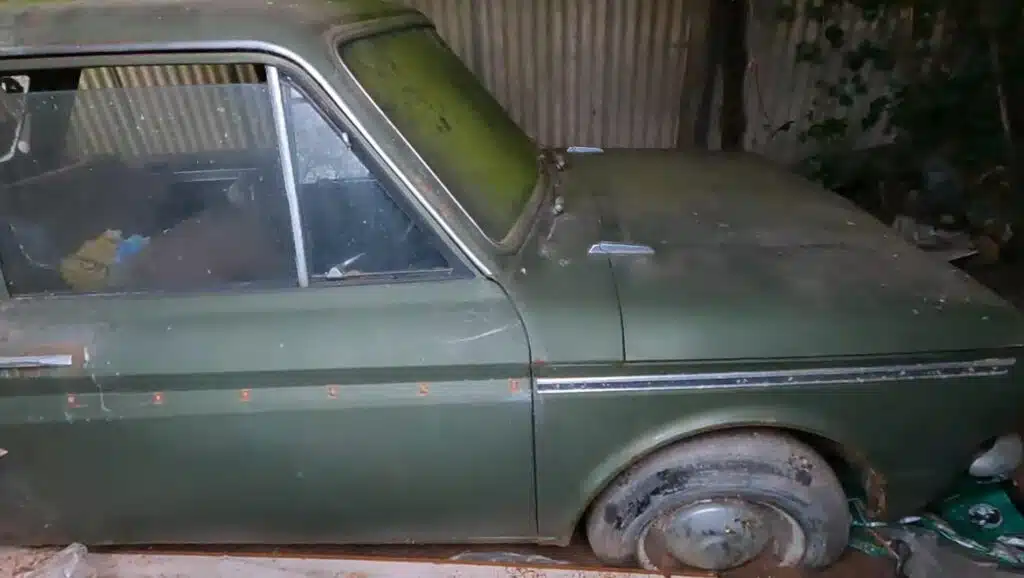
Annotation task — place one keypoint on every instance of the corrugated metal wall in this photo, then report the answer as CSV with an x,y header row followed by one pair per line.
x,y
628,72
586,72
613,73
778,89
169,109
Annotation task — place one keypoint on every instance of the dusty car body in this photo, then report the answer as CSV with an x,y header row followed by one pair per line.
x,y
628,340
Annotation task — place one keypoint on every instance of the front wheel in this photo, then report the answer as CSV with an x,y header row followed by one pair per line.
x,y
719,501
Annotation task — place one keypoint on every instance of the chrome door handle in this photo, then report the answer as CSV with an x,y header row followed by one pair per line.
x,y
35,361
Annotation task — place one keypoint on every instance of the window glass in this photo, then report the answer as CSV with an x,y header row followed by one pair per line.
x,y
488,163
12,113
352,224
145,178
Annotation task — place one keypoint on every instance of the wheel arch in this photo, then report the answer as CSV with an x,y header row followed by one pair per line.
x,y
850,464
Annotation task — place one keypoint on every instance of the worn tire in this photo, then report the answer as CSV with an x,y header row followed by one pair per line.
x,y
764,466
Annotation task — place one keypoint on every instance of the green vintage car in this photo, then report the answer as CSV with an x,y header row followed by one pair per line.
x,y
285,272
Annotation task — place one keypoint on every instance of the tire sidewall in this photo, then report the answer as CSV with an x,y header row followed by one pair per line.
x,y
770,469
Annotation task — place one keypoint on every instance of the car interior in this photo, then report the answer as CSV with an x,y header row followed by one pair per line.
x,y
208,219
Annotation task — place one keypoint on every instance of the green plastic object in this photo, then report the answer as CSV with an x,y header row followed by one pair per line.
x,y
983,511
979,516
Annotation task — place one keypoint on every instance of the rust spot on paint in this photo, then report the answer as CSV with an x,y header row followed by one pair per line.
x,y
513,385
424,389
245,395
332,391
875,484
158,398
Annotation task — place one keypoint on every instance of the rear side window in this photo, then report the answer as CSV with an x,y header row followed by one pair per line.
x,y
352,224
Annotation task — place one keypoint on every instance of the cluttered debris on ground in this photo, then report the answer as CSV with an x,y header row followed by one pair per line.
x,y
976,531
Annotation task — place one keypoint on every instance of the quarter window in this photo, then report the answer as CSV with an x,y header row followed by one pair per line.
x,y
353,226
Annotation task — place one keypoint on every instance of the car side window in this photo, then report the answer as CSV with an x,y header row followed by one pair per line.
x,y
145,178
352,224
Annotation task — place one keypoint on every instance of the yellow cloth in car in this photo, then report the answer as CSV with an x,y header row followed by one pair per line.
x,y
87,269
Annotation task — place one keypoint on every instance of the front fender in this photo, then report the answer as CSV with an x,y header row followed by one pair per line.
x,y
693,426
564,494
585,438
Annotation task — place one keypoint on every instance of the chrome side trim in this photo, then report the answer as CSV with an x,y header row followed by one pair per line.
x,y
284,145
36,361
614,248
785,377
584,150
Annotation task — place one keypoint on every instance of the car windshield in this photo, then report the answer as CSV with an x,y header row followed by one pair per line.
x,y
487,162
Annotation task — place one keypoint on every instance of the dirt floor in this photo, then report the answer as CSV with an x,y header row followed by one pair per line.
x,y
852,565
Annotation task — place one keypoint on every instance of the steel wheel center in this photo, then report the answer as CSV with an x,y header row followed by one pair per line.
x,y
716,534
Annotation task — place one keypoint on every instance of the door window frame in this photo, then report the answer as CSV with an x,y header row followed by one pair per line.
x,y
320,97
458,266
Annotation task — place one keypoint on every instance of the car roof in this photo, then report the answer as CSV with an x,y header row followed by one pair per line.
x,y
39,27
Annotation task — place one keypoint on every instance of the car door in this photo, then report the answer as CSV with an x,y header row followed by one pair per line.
x,y
172,372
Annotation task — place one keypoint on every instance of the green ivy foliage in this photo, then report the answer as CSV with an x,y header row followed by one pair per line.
x,y
934,96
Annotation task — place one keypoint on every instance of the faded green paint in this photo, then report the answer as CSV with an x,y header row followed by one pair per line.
x,y
568,301
218,401
905,429
753,269
31,25
752,262
292,418
452,121
407,411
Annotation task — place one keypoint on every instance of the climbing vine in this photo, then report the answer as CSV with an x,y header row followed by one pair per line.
x,y
923,78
